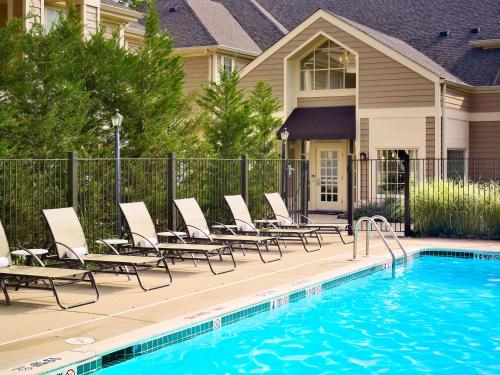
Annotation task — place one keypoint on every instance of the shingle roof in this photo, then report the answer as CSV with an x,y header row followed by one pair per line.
x,y
406,50
417,23
222,26
183,24
409,26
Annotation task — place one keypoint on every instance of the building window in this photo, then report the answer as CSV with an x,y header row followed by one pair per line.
x,y
225,63
329,67
52,16
455,164
390,170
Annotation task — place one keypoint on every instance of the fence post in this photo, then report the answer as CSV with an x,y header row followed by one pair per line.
x,y
171,191
406,176
244,177
350,195
284,180
73,180
304,183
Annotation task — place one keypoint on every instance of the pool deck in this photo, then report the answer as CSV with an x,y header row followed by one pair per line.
x,y
34,327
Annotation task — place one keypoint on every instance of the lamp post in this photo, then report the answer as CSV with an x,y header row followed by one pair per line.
x,y
116,122
284,138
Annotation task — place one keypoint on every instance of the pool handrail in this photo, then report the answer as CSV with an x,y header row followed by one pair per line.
x,y
386,222
370,221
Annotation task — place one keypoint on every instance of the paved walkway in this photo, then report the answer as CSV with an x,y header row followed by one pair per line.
x,y
33,327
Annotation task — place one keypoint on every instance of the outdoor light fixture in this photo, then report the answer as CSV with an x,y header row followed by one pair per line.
x,y
117,119
362,156
284,135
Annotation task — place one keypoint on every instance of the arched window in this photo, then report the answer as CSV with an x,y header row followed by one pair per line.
x,y
328,67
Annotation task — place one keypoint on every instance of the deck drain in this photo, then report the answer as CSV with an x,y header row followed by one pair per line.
x,y
79,340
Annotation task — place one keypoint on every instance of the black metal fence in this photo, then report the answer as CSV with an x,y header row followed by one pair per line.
x,y
433,197
89,185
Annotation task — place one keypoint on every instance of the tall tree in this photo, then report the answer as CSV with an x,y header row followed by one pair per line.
x,y
264,107
235,124
226,116
57,90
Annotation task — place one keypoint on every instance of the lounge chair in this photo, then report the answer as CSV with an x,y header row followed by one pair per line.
x,y
283,218
71,246
13,276
244,224
198,230
145,238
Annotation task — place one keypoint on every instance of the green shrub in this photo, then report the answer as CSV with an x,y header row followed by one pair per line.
x,y
390,208
456,209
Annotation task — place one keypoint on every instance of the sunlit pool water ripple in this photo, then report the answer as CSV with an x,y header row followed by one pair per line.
x,y
439,315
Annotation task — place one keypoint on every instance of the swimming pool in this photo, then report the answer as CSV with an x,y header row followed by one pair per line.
x,y
439,315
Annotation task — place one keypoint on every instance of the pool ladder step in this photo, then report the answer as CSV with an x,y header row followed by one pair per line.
x,y
372,223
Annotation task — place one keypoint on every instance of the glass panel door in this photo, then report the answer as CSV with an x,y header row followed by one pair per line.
x,y
328,176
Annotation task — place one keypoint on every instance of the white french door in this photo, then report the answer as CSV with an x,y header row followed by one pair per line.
x,y
328,178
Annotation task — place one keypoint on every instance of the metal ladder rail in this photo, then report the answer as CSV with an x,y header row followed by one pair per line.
x,y
386,222
371,222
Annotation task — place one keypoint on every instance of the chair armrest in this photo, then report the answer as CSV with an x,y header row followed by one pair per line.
x,y
287,218
307,218
225,227
175,234
74,253
153,246
250,224
201,230
34,256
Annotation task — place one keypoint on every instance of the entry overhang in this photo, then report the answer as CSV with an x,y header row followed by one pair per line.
x,y
324,123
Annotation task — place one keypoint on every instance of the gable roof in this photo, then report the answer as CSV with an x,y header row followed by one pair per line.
x,y
222,26
194,23
417,23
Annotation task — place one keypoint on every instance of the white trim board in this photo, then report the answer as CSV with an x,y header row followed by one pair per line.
x,y
398,112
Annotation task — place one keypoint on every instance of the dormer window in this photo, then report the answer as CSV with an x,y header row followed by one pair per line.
x,y
329,67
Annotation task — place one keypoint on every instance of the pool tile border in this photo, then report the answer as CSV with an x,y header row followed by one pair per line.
x,y
161,341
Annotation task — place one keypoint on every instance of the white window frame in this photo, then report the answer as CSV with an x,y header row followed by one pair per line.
x,y
221,61
332,47
56,16
382,172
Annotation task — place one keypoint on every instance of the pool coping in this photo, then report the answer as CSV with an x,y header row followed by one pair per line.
x,y
87,359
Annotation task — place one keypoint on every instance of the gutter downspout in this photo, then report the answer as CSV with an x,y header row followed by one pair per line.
x,y
443,121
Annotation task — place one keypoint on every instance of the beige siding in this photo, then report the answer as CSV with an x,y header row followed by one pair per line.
x,y
484,139
430,137
485,102
197,72
90,20
3,15
457,99
383,81
326,101
240,63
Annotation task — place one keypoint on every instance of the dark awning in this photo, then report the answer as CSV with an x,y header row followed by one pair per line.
x,y
321,123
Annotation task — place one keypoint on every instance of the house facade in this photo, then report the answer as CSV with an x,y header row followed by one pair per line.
x,y
111,15
346,87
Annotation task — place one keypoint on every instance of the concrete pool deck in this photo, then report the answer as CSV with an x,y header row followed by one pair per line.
x,y
34,327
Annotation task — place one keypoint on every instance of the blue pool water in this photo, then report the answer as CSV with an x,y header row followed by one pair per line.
x,y
438,316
